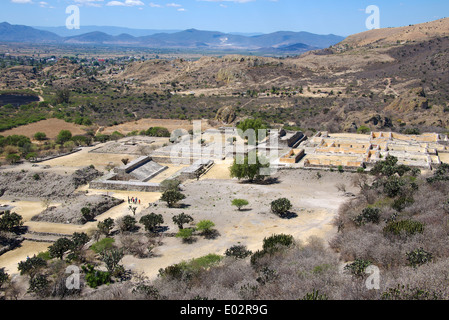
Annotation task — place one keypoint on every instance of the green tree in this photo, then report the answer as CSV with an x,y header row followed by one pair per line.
x,y
62,96
240,203
151,221
40,136
10,221
246,169
205,226
63,136
358,267
254,125
31,266
185,234
281,206
87,214
106,226
238,252
60,247
127,223
181,219
172,197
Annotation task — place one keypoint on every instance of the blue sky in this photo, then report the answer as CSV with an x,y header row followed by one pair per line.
x,y
319,16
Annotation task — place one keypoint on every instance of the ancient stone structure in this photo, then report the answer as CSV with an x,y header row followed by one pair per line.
x,y
352,151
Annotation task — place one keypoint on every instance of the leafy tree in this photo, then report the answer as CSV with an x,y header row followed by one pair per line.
x,y
10,221
172,197
170,184
127,223
61,246
31,265
185,234
112,260
4,277
281,206
151,221
239,203
238,252
40,136
181,219
251,124
63,136
39,285
205,226
246,170
87,214
106,226
62,96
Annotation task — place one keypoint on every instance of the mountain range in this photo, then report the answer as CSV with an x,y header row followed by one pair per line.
x,y
282,41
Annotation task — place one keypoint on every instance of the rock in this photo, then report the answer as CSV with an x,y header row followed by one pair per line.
x,y
226,115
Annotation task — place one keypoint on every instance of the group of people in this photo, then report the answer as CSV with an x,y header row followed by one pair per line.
x,y
134,200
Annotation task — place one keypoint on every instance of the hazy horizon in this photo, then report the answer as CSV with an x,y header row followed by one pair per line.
x,y
228,16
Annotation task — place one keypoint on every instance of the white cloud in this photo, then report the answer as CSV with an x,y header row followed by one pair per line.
x,y
155,5
21,1
126,3
89,3
173,5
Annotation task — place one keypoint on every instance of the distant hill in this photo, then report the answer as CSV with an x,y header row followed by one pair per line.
x,y
295,42
16,33
113,31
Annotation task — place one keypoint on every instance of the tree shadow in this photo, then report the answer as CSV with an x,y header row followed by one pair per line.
x,y
245,210
288,215
189,240
211,234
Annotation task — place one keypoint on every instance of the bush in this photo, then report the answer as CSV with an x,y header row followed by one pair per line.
x,y
96,278
103,244
158,132
273,242
418,257
358,267
238,252
40,136
368,215
410,227
281,206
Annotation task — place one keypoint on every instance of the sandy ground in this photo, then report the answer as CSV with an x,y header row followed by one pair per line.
x,y
51,127
315,201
